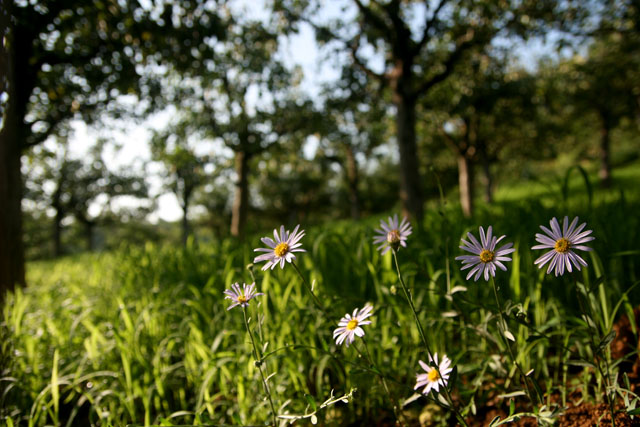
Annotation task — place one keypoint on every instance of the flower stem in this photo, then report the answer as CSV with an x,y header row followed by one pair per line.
x,y
424,338
394,403
503,327
315,298
607,377
258,363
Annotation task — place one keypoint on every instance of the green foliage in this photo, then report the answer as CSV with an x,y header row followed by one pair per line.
x,y
142,335
74,58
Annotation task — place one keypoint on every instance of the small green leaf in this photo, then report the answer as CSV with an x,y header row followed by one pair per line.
x,y
606,341
453,377
532,338
583,363
311,401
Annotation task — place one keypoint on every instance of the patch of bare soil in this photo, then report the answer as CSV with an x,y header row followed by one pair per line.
x,y
625,343
587,415
623,347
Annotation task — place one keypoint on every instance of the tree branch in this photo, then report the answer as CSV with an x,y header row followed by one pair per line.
x,y
427,26
352,45
467,43
368,71
374,19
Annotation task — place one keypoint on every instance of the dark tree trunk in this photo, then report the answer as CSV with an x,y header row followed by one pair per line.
x,y
352,177
11,248
56,203
410,184
465,179
605,151
57,232
487,176
241,198
184,190
488,180
185,222
88,234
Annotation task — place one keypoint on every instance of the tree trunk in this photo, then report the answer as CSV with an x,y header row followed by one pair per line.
x,y
352,177
487,177
410,184
465,179
88,234
241,198
185,221
56,203
11,247
488,180
605,162
57,232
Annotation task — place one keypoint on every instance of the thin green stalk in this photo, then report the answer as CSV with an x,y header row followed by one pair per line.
x,y
367,368
424,337
607,378
258,362
251,273
394,403
315,298
503,327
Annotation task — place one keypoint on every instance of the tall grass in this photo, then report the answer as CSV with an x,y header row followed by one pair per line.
x,y
142,336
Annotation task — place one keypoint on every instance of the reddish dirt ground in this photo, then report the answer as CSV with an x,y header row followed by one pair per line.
x,y
587,414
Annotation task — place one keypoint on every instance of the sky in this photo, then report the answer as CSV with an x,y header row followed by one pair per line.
x,y
298,50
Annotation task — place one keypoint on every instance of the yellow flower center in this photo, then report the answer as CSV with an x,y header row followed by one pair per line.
x,y
393,237
242,299
433,375
353,323
281,249
486,256
562,245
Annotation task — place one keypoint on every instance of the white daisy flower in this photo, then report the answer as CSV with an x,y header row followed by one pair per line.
x,y
241,296
563,242
434,378
281,249
392,235
486,257
349,325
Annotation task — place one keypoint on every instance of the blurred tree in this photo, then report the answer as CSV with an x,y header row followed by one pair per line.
x,y
214,197
418,45
483,109
186,170
245,99
11,247
292,188
70,187
93,184
49,167
63,59
355,124
608,80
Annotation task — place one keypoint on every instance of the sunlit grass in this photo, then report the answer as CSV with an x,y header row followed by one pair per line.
x,y
141,335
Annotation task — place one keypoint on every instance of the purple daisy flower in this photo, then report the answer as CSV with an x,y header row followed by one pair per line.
x,y
281,249
241,296
562,242
486,257
392,235
349,325
434,378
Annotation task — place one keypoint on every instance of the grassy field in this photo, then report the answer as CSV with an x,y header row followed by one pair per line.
x,y
142,336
